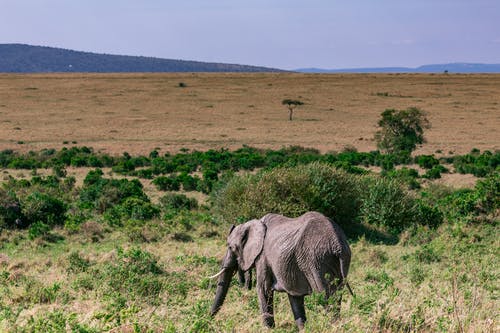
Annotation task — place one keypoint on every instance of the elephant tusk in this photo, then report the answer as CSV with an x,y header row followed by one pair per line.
x,y
217,275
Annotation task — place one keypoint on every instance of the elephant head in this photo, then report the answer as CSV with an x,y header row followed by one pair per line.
x,y
244,244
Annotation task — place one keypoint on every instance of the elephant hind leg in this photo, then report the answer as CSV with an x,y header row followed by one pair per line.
x,y
334,295
299,312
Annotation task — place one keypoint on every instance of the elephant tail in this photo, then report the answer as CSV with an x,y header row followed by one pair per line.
x,y
344,268
349,288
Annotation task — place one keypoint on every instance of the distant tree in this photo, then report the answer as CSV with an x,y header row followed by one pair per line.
x,y
401,130
291,104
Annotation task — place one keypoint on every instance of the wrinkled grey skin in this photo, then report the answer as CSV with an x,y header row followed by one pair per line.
x,y
297,256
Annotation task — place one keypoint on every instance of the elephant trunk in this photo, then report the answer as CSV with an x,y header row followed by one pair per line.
x,y
229,268
222,288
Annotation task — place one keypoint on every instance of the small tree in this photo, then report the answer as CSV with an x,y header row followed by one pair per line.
x,y
291,104
401,130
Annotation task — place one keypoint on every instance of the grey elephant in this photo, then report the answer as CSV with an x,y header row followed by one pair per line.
x,y
293,255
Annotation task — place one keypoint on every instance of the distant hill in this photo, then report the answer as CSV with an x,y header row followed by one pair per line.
x,y
436,68
21,58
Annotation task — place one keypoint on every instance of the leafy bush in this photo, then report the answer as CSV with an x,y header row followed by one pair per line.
x,y
385,203
38,229
480,165
43,208
139,209
407,176
169,183
131,208
468,204
135,273
488,193
101,193
10,209
188,182
426,161
401,130
435,172
178,201
428,215
290,191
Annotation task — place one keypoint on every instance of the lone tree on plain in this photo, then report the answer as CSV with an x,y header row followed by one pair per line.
x,y
291,104
401,130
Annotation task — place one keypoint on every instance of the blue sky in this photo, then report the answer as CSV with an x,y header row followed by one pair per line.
x,y
286,34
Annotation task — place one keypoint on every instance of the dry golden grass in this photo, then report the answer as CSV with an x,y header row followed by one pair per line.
x,y
139,112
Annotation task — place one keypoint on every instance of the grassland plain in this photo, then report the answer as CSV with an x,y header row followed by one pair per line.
x,y
139,112
151,275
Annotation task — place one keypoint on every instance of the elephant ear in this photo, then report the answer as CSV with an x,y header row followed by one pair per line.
x,y
252,242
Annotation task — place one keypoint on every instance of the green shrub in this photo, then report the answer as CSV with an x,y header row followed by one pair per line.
x,y
169,183
435,172
59,171
76,263
178,201
488,193
10,209
101,193
210,177
428,215
44,208
38,229
290,191
131,208
480,165
460,205
426,161
135,273
405,175
139,209
468,204
188,182
385,203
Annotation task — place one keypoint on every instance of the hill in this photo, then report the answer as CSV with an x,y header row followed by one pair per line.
x,y
21,58
433,68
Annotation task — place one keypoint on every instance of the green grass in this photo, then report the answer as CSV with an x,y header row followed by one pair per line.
x,y
447,284
113,259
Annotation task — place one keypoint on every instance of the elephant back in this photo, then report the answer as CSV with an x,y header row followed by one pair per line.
x,y
310,247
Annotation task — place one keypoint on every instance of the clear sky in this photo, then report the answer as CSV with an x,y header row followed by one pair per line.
x,y
286,34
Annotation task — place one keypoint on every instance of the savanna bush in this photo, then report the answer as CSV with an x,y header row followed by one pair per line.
x,y
480,165
469,204
406,175
290,191
167,183
42,207
387,204
10,209
101,193
178,201
426,161
134,273
347,198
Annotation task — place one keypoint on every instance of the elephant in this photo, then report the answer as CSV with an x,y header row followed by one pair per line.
x,y
298,256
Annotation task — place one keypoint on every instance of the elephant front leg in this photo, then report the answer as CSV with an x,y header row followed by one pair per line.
x,y
248,279
299,312
266,298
